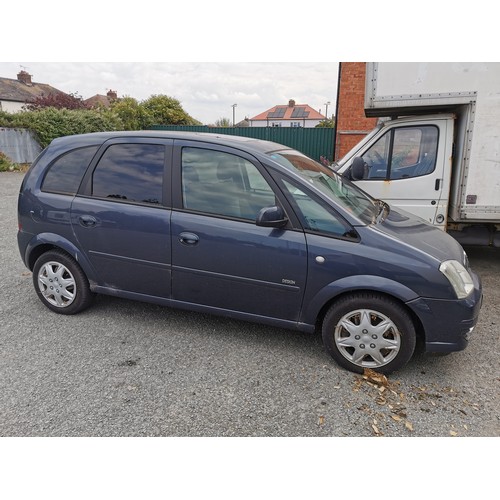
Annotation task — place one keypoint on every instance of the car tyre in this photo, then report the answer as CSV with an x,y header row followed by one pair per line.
x,y
369,330
61,283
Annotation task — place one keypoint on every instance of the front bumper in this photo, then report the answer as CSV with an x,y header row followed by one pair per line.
x,y
448,324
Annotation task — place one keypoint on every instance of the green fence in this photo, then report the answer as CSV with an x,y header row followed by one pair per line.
x,y
313,142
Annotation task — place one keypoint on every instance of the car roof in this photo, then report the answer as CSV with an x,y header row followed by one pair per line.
x,y
248,144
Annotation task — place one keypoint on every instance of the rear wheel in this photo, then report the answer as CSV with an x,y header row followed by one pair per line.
x,y
369,330
60,283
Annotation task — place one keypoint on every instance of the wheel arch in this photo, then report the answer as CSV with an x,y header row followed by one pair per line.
x,y
326,297
45,242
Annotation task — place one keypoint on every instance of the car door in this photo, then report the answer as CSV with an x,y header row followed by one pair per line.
x,y
121,216
220,258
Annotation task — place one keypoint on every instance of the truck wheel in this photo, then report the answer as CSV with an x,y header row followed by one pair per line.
x,y
369,330
60,283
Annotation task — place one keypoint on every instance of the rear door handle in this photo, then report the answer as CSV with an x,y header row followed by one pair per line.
x,y
437,184
87,221
189,238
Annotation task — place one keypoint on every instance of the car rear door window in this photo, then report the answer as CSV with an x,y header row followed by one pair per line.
x,y
65,174
131,173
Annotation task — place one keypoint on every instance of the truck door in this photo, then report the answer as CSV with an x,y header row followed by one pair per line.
x,y
408,165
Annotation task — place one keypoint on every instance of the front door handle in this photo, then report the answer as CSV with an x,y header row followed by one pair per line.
x,y
87,220
189,238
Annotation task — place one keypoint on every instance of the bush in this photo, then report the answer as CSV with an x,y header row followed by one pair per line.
x,y
6,164
50,123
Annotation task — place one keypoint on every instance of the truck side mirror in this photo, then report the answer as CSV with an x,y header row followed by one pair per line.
x,y
358,169
271,217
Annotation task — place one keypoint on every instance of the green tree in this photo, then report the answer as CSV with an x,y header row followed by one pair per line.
x,y
165,110
223,122
130,112
328,123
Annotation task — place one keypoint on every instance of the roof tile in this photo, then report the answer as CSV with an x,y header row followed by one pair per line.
x,y
14,90
287,112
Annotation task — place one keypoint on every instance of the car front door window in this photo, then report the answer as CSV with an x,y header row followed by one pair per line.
x,y
223,184
315,216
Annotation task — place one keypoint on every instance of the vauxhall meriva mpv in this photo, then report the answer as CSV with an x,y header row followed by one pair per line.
x,y
247,229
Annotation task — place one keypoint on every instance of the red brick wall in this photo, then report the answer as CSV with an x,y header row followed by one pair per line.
x,y
352,124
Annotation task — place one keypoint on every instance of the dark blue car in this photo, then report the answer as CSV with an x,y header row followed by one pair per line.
x,y
247,229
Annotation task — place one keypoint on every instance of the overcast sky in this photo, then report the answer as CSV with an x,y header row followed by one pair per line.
x,y
225,31
206,90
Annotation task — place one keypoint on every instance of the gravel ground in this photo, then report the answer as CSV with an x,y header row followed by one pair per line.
x,y
125,368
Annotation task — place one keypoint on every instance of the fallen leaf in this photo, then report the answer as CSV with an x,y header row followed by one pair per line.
x,y
397,418
376,430
375,377
321,420
453,433
409,426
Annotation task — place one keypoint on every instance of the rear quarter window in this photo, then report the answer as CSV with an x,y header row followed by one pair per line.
x,y
66,172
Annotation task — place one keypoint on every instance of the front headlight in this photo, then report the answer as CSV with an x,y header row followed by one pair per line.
x,y
458,276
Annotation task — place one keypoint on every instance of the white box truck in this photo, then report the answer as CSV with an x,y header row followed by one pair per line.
x,y
436,150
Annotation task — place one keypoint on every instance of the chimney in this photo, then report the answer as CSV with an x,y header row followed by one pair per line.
x,y
291,103
24,77
112,94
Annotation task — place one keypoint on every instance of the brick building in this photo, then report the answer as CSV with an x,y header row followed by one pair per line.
x,y
352,124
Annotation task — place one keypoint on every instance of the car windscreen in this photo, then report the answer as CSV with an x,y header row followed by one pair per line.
x,y
334,186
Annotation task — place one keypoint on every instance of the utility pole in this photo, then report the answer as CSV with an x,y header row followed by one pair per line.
x,y
233,106
326,111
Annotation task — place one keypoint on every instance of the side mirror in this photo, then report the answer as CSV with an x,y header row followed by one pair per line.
x,y
358,169
271,217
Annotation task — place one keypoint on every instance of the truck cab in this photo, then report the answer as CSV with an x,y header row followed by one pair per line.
x,y
435,152
406,162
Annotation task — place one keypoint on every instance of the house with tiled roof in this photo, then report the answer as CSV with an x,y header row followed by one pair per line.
x,y
14,94
291,115
100,100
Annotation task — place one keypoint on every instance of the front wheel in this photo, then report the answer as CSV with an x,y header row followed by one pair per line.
x,y
369,330
60,283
